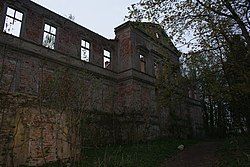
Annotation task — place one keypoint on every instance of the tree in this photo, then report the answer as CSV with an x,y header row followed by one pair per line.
x,y
172,91
220,47
207,20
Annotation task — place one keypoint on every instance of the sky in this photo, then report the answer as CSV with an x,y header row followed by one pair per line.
x,y
100,16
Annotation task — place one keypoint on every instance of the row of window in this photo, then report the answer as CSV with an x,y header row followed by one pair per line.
x,y
13,24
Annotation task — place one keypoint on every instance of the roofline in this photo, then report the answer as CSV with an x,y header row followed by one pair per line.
x,y
127,23
130,23
54,13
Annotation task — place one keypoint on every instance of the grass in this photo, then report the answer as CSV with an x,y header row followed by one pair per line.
x,y
235,152
149,154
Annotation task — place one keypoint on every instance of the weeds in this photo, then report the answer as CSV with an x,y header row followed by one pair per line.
x,y
235,152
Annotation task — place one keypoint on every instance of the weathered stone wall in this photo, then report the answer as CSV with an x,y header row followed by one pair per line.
x,y
32,135
26,72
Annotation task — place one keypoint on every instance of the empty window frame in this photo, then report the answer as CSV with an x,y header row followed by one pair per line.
x,y
49,36
106,59
13,22
85,50
142,63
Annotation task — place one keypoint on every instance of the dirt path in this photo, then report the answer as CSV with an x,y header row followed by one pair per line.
x,y
199,155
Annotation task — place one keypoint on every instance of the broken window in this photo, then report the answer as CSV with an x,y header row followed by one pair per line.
x,y
13,22
142,64
106,59
85,50
49,36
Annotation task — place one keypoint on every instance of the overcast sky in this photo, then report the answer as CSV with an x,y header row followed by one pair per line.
x,y
100,16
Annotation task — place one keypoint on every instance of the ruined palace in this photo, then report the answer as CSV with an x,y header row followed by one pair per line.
x,y
63,86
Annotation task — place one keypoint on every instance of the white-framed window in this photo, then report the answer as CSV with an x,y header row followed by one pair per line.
x,y
85,50
106,59
142,63
13,22
49,36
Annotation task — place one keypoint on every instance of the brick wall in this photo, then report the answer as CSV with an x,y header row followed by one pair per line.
x,y
54,90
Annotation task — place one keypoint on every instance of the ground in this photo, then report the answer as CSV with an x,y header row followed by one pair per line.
x,y
230,152
201,154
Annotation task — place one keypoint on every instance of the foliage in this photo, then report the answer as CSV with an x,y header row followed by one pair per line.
x,y
207,19
217,32
149,154
71,17
172,95
235,152
179,127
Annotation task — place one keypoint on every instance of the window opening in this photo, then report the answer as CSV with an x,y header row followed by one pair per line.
x,y
157,35
13,22
49,36
106,59
142,63
85,50
156,68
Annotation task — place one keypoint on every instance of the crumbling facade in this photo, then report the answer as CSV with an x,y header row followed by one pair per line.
x,y
36,43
